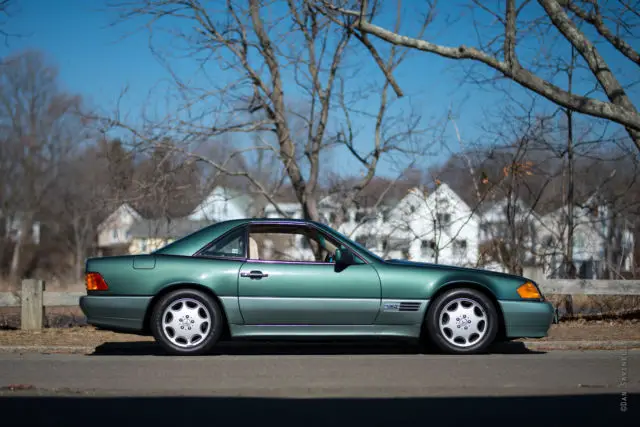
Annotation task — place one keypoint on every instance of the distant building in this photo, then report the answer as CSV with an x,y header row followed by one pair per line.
x,y
147,235
222,204
602,241
427,225
126,231
114,233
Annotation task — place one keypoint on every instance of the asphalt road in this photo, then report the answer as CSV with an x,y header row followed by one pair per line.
x,y
334,388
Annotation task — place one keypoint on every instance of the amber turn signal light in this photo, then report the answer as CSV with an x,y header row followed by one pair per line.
x,y
95,282
529,291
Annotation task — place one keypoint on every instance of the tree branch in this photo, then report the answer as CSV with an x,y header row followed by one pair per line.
x,y
619,110
595,18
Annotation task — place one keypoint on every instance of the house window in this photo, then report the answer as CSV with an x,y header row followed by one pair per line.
x,y
442,202
443,221
484,231
459,248
513,210
428,248
114,233
443,218
395,244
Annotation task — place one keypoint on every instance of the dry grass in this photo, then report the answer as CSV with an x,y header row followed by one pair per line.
x,y
593,306
599,330
56,317
84,336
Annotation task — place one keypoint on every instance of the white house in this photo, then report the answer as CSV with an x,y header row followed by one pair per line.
x,y
593,229
437,227
496,216
127,230
115,229
434,226
293,209
290,209
512,222
222,204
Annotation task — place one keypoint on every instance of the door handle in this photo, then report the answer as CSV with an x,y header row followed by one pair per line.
x,y
254,274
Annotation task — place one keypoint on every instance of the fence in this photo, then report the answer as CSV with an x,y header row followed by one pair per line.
x,y
34,298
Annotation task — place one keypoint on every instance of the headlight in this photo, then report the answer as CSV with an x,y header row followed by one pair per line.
x,y
529,291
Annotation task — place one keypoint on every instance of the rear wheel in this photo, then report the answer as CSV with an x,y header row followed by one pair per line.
x,y
187,322
462,321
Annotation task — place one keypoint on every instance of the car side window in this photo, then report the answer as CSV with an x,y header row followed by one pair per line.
x,y
290,243
230,246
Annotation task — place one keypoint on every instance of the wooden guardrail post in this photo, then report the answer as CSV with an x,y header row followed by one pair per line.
x,y
32,301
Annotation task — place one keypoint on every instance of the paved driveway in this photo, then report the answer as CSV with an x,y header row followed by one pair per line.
x,y
254,387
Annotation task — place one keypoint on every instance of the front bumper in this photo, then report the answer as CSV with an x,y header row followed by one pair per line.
x,y
124,313
527,319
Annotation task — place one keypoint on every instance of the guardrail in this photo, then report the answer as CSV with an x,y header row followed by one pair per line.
x,y
33,297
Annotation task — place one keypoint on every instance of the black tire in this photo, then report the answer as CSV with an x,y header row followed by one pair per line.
x,y
206,343
472,345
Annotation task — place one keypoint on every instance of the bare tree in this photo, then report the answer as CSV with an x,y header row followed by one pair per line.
x,y
76,204
35,118
510,28
5,13
285,73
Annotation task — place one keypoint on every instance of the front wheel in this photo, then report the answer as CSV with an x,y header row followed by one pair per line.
x,y
186,322
462,321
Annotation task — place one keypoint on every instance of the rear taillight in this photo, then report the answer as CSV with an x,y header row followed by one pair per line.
x,y
95,282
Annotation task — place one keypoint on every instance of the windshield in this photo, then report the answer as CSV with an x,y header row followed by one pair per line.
x,y
353,243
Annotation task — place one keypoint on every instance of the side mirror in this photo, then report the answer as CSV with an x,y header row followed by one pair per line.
x,y
344,257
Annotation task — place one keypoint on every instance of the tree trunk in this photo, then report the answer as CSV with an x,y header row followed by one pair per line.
x,y
79,248
14,271
310,208
570,268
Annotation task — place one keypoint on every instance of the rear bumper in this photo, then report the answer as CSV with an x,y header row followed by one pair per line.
x,y
124,313
526,319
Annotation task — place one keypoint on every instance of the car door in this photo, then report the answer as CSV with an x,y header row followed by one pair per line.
x,y
294,290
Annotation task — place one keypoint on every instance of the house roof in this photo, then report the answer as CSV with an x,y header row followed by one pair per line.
x,y
239,198
379,192
123,209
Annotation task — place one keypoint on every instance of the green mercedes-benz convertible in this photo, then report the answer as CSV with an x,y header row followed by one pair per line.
x,y
268,278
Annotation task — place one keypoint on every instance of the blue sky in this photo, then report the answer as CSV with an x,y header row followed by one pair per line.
x,y
95,61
